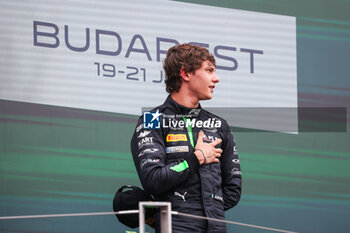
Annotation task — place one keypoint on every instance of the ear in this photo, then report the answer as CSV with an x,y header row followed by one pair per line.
x,y
184,74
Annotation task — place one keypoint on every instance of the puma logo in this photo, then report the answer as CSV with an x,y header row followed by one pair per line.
x,y
180,195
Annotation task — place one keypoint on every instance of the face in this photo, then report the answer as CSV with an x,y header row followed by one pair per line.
x,y
202,81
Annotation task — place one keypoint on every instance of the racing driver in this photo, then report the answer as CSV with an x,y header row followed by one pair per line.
x,y
184,154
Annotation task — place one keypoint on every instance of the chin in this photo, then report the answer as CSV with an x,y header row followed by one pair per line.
x,y
206,97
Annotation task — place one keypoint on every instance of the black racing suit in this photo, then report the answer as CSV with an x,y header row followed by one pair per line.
x,y
170,171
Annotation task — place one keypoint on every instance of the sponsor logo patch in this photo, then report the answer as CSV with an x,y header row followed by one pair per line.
x,y
194,112
176,137
176,149
143,134
148,150
217,197
139,128
181,195
145,141
235,171
235,152
235,161
145,161
209,138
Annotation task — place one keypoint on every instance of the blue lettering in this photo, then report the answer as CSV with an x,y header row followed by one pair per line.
x,y
87,43
252,51
159,51
234,61
46,35
109,33
200,44
53,35
144,50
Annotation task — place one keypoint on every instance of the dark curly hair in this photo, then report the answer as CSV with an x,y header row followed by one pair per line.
x,y
186,56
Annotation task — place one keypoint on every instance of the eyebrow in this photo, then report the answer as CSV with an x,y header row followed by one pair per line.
x,y
208,63
211,66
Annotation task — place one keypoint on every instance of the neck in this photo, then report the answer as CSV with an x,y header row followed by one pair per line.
x,y
185,99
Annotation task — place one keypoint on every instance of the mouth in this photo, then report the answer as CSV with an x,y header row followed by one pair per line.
x,y
211,87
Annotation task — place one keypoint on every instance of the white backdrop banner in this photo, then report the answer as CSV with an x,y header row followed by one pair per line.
x,y
107,55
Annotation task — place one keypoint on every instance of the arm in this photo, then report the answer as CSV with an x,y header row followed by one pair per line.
x,y
156,175
231,172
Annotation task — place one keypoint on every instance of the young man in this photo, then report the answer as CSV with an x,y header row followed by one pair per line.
x,y
191,159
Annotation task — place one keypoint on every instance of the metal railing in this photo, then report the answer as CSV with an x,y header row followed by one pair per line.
x,y
165,217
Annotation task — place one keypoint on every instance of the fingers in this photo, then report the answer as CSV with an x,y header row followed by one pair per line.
x,y
218,150
216,142
217,153
200,136
214,160
214,157
217,157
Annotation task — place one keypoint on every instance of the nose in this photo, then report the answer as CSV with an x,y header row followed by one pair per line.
x,y
215,78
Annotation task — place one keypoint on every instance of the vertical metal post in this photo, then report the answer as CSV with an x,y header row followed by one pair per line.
x,y
165,218
141,217
165,215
